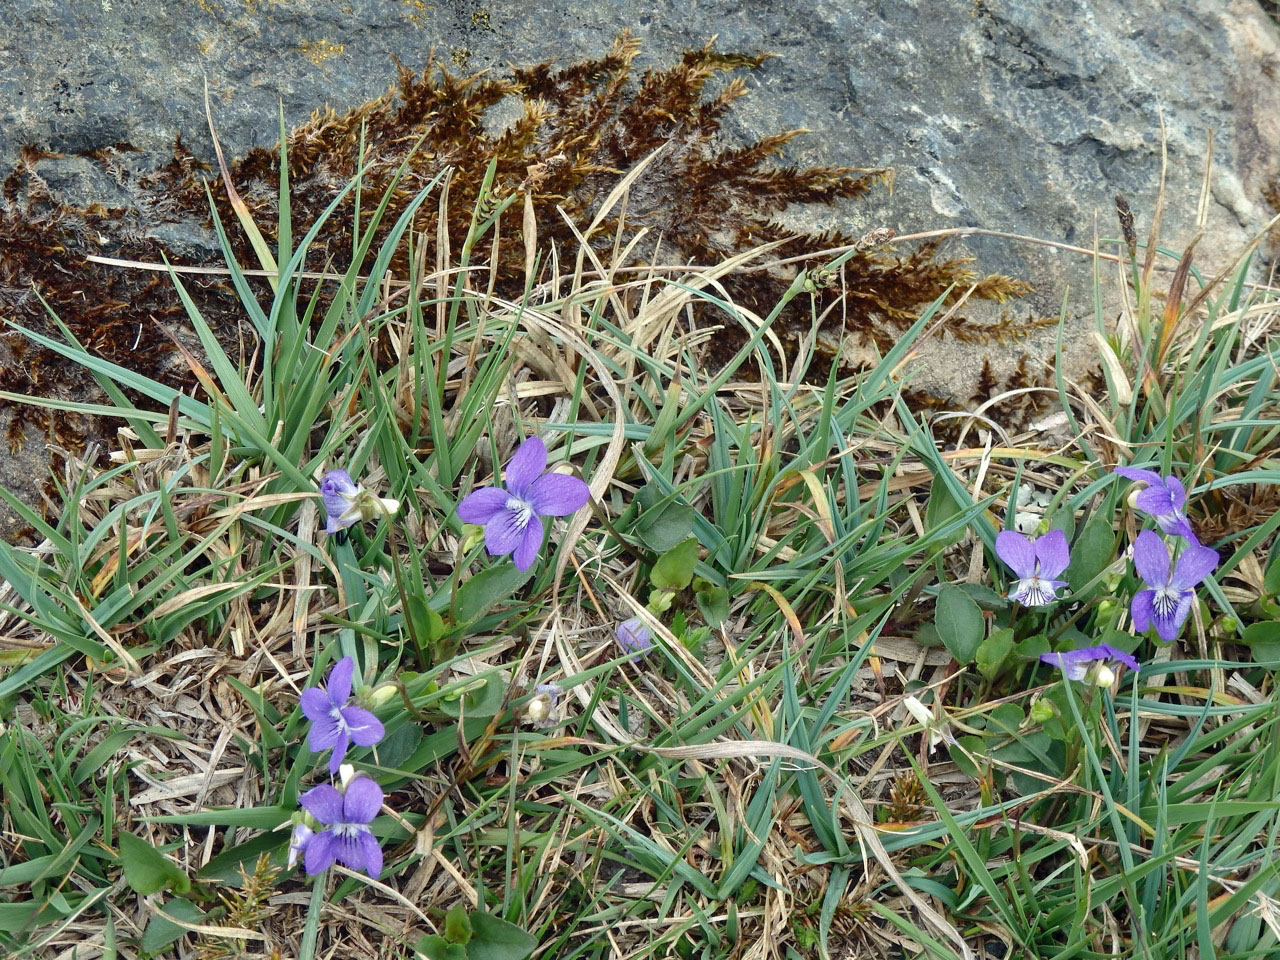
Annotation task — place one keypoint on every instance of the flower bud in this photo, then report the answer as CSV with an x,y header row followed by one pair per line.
x,y
1042,711
346,773
472,537
375,508
298,841
541,710
921,714
634,637
381,694
1102,676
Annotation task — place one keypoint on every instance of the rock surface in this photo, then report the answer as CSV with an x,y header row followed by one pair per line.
x,y
1024,117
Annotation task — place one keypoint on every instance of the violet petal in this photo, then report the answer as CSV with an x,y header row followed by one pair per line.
x,y
1169,627
337,490
364,727
362,800
1176,525
1151,558
320,853
1194,564
1053,553
1143,610
502,534
1074,668
1017,552
371,853
339,682
324,803
634,637
315,704
349,852
324,734
481,506
1140,475
339,751
1119,656
558,495
1155,500
526,465
527,549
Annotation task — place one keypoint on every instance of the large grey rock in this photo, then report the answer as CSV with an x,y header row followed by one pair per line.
x,y
1025,116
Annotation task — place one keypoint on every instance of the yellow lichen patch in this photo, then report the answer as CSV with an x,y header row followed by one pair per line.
x,y
318,51
480,20
417,11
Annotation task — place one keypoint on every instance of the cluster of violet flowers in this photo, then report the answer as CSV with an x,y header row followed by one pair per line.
x,y
334,825
1169,592
1170,587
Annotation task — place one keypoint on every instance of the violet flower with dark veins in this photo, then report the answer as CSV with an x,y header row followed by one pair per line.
x,y
1166,603
1037,562
336,722
346,816
1162,499
512,515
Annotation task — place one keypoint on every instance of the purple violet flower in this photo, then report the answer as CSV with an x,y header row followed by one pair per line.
x,y
1162,499
336,722
346,502
634,637
346,838
1094,665
512,515
1036,562
1166,602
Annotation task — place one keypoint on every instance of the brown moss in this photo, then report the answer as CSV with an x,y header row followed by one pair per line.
x,y
1227,511
580,129
112,312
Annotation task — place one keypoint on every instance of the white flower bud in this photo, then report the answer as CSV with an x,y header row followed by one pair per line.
x,y
1102,676
375,508
539,709
381,694
919,711
345,774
